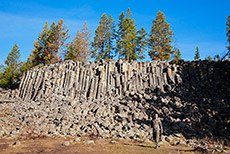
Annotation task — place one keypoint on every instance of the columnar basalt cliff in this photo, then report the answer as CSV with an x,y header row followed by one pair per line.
x,y
118,99
97,80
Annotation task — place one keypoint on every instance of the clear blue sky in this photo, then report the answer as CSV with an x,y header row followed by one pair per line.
x,y
195,23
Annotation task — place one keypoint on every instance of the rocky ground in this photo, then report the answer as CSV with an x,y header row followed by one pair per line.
x,y
123,117
193,102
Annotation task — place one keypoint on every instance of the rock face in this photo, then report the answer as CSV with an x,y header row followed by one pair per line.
x,y
96,80
118,99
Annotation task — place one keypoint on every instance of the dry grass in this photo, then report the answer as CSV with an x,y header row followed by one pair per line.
x,y
101,146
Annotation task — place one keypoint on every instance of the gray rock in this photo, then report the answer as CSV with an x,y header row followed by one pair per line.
x,y
65,143
89,142
114,142
78,139
168,139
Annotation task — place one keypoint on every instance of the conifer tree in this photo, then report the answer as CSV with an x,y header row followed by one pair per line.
x,y
1,72
41,46
176,56
10,73
102,44
25,66
59,35
50,43
160,39
79,49
228,37
119,34
141,43
209,58
110,37
127,37
197,54
217,57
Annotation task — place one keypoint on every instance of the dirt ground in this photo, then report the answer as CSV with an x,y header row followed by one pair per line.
x,y
100,146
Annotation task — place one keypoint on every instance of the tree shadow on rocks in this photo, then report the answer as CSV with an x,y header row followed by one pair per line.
x,y
199,106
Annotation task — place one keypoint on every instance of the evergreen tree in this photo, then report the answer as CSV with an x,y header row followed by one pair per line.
x,y
160,39
1,72
119,34
209,58
228,37
25,66
41,46
197,54
127,37
59,35
103,41
51,41
110,37
69,53
177,56
79,49
141,43
217,57
10,73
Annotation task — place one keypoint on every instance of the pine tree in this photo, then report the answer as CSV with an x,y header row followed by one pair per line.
x,y
10,73
228,37
209,58
79,49
127,37
59,36
176,56
141,43
25,66
1,72
110,37
69,53
41,47
197,54
103,41
217,57
119,34
160,39
50,43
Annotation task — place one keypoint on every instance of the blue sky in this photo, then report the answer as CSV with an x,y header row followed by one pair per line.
x,y
195,23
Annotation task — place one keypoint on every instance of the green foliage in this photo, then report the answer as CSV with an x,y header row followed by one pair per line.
x,y
10,73
217,57
50,43
126,37
103,41
142,42
25,66
128,42
2,69
119,33
228,31
79,49
209,58
197,54
228,37
160,39
69,54
176,56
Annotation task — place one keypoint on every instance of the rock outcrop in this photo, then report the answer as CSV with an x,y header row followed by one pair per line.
x,y
118,99
96,80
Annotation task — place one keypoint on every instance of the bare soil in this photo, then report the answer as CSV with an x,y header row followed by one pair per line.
x,y
48,145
